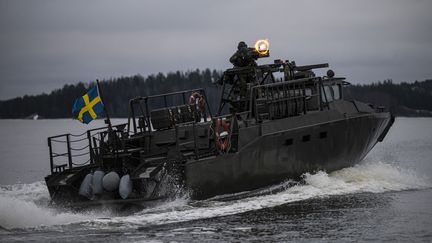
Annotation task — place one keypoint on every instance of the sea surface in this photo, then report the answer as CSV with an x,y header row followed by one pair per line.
x,y
387,197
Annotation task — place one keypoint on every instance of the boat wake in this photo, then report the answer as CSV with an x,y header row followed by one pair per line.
x,y
26,205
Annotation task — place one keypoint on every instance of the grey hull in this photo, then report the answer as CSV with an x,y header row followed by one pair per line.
x,y
285,150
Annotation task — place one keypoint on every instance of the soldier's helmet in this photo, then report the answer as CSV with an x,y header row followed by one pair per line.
x,y
241,44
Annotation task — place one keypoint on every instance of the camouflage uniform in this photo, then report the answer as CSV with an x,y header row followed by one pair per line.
x,y
242,58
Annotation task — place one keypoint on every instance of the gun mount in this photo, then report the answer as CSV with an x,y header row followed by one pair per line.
x,y
238,82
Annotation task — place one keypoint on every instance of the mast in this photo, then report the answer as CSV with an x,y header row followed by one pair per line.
x,y
107,120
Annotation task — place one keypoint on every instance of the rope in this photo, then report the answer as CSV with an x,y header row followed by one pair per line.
x,y
78,140
81,163
79,149
60,163
78,155
58,141
59,155
78,135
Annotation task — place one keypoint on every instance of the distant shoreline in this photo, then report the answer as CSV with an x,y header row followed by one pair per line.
x,y
401,99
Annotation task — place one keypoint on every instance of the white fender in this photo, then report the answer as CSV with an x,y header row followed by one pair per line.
x,y
97,182
86,189
111,181
125,187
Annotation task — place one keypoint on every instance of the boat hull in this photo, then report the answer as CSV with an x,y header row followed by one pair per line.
x,y
286,149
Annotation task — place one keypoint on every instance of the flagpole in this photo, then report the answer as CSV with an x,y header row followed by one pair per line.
x,y
107,121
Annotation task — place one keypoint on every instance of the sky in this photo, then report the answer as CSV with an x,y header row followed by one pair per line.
x,y
46,44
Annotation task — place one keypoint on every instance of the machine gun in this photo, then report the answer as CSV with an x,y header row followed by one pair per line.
x,y
260,50
292,71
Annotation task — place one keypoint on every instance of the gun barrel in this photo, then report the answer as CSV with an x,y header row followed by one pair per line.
x,y
255,54
310,67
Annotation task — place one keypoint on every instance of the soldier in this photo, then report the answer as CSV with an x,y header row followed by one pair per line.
x,y
242,58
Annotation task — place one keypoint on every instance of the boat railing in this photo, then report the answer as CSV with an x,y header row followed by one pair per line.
x,y
68,150
284,99
143,114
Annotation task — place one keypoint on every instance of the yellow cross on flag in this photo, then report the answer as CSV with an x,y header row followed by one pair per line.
x,y
88,107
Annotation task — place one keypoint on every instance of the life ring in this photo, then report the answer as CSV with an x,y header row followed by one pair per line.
x,y
222,141
197,99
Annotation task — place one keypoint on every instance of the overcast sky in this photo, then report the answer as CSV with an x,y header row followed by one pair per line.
x,y
46,44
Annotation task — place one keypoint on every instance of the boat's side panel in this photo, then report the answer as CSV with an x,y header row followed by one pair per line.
x,y
287,154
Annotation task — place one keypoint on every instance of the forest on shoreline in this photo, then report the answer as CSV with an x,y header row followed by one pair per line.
x,y
403,99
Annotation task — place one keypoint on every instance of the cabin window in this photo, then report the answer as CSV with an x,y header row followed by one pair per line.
x,y
336,92
323,135
331,93
306,138
288,142
308,93
327,92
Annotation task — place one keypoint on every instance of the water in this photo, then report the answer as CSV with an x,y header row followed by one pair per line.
x,y
386,197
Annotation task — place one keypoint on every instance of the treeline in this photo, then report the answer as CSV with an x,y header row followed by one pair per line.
x,y
116,93
404,99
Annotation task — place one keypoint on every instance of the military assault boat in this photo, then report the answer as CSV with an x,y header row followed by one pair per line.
x,y
274,122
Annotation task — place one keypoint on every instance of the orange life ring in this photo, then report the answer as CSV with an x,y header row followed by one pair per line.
x,y
197,99
222,143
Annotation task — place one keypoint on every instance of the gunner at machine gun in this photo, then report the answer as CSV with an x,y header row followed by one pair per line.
x,y
243,56
246,57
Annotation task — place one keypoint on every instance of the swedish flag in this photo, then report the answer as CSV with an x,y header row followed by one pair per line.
x,y
88,107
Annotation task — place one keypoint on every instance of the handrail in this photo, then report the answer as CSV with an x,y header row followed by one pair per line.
x,y
301,80
145,111
57,136
106,127
72,152
58,141
166,94
69,151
